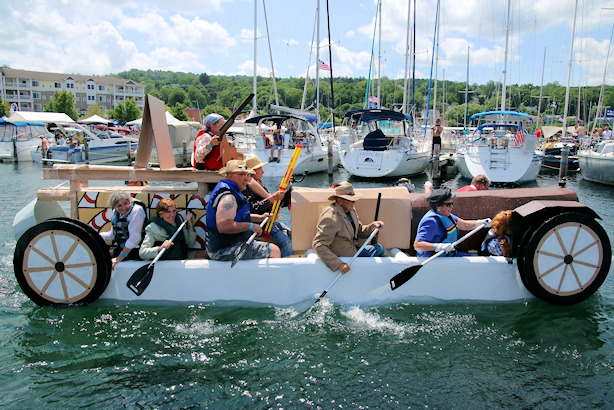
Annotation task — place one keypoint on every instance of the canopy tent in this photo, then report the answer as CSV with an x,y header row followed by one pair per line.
x,y
94,119
169,118
549,131
44,117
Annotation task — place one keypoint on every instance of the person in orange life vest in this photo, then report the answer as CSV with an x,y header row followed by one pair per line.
x,y
438,228
206,154
478,183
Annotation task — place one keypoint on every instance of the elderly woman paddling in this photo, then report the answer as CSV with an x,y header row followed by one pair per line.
x,y
207,154
126,227
438,228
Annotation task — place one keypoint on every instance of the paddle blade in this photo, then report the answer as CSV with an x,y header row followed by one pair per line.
x,y
403,276
237,254
140,279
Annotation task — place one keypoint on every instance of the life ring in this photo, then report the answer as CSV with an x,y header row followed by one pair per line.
x,y
566,259
62,262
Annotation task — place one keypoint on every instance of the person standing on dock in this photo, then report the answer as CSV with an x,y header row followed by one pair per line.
x,y
437,130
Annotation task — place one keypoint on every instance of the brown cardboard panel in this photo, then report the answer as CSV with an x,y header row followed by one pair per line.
x,y
154,128
395,212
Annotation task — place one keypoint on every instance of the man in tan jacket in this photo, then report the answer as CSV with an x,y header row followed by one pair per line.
x,y
339,230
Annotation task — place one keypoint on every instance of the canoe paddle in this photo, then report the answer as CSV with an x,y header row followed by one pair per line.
x,y
239,251
140,279
408,273
349,263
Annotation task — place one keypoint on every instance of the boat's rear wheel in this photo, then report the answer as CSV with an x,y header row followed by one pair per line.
x,y
60,262
566,259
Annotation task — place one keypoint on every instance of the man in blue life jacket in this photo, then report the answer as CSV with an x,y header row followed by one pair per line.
x,y
228,219
438,228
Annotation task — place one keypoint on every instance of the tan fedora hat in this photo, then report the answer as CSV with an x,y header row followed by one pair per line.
x,y
345,191
235,166
254,163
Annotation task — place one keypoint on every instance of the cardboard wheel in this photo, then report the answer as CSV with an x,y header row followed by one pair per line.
x,y
566,259
59,262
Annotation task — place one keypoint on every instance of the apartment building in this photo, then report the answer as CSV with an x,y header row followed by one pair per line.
x,y
32,90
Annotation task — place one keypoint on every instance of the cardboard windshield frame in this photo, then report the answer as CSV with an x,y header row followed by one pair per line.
x,y
154,129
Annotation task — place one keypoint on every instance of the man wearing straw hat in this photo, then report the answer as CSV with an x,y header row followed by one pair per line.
x,y
339,230
228,218
261,201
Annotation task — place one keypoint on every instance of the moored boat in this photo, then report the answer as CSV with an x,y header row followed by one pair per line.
x,y
19,138
378,143
597,164
500,148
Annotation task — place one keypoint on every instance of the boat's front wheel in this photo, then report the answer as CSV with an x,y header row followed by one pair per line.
x,y
60,261
566,259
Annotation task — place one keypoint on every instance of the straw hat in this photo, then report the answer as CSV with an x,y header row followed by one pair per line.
x,y
235,166
254,163
345,191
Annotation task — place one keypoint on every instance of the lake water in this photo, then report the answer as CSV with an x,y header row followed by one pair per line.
x,y
463,355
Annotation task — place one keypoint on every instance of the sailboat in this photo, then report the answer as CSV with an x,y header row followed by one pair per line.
x,y
502,146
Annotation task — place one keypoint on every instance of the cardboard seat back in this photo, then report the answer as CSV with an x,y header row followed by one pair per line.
x,y
395,212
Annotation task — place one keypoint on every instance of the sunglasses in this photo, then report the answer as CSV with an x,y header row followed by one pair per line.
x,y
448,204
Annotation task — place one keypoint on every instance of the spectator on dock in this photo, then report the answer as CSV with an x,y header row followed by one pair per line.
x,y
478,183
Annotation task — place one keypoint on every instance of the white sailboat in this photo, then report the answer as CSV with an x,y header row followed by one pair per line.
x,y
378,143
501,147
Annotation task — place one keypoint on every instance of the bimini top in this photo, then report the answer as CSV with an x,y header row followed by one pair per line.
x,y
377,115
279,118
495,115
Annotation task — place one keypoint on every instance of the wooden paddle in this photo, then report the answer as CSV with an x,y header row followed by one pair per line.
x,y
228,151
239,251
408,273
140,279
349,263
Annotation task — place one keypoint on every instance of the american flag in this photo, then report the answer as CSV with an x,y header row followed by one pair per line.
x,y
519,137
323,66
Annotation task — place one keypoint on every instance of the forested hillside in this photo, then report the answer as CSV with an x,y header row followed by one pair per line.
x,y
222,93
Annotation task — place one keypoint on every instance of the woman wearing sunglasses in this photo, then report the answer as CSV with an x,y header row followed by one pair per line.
x,y
438,228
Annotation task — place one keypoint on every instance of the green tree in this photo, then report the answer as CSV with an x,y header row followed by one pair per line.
x,y
5,108
204,79
63,101
118,113
95,109
178,111
132,111
177,96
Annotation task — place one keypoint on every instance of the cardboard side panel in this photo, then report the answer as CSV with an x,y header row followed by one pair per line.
x,y
395,212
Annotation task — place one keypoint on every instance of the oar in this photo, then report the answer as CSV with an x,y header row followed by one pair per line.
x,y
408,273
349,263
140,279
239,251
379,199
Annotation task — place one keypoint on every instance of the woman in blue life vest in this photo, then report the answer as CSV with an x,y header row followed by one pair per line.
x,y
438,228
161,227
126,230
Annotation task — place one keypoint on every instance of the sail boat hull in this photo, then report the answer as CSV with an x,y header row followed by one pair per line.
x,y
390,163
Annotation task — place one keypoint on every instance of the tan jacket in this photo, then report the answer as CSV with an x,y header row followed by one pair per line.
x,y
336,237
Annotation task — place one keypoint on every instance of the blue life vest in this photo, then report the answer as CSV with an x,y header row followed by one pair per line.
x,y
449,227
215,239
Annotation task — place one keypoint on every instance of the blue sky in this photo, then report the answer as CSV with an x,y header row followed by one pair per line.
x,y
216,36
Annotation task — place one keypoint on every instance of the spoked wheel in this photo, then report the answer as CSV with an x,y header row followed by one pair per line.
x,y
567,259
60,262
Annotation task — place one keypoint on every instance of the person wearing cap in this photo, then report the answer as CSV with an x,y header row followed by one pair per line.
x,y
438,228
229,220
206,154
405,182
126,231
261,201
478,183
339,230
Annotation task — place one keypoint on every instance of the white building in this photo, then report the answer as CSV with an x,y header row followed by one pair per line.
x,y
32,90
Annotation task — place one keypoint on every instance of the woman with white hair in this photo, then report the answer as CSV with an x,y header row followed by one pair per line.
x,y
126,227
207,154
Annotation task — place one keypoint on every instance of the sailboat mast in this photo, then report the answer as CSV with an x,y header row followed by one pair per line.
x,y
330,64
573,34
436,61
466,92
405,108
600,103
266,23
541,91
317,100
255,100
313,33
379,58
507,36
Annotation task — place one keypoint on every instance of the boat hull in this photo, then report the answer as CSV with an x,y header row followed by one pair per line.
x,y
310,162
285,282
596,168
522,166
388,163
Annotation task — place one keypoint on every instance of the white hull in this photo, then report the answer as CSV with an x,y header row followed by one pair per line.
x,y
389,163
311,162
290,281
24,149
97,154
598,166
520,166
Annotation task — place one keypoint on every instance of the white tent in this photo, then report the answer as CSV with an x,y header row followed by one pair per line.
x,y
169,118
44,117
94,119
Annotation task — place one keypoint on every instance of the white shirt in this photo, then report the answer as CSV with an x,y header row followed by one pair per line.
x,y
136,218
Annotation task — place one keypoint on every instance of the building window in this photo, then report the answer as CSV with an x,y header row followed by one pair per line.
x,y
101,88
90,86
35,83
58,85
36,96
38,107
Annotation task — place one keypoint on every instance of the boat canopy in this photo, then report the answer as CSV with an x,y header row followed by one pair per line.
x,y
280,118
44,117
494,115
377,115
